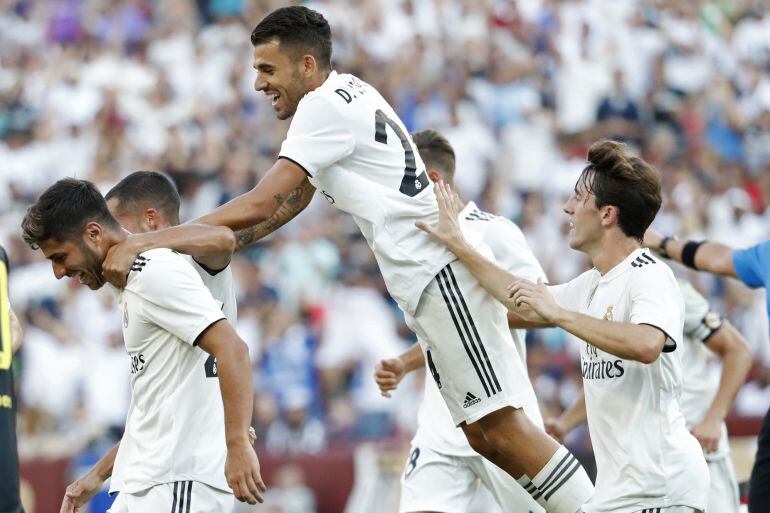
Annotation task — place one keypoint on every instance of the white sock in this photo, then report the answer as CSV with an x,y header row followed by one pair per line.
x,y
531,489
563,483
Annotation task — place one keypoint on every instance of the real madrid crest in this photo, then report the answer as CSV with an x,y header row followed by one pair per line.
x,y
608,314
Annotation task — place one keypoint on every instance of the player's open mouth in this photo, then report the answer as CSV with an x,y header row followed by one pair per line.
x,y
275,99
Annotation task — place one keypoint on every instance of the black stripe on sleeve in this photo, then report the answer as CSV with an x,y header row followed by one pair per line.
x,y
189,496
173,506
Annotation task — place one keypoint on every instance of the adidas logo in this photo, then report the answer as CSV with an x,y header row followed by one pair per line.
x,y
139,263
642,260
470,400
478,215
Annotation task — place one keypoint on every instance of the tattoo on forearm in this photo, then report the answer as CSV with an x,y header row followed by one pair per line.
x,y
288,208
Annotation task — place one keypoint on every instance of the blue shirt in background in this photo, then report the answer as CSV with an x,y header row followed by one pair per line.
x,y
752,265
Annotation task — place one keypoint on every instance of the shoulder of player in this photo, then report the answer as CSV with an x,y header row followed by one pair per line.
x,y
153,265
647,269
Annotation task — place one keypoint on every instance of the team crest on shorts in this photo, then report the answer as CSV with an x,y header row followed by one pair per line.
x,y
608,314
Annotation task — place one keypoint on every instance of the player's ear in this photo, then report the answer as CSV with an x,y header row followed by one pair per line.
x,y
610,215
93,232
434,175
309,64
151,218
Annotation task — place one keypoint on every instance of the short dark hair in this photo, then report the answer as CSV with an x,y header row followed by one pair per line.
x,y
436,152
62,211
148,189
629,183
300,28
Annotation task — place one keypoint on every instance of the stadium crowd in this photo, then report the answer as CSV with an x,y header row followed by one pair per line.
x,y
98,89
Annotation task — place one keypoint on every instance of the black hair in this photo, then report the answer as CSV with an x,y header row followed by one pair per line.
x,y
148,189
297,28
629,183
62,211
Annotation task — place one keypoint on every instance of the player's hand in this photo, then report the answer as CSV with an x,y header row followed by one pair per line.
x,y
555,428
652,239
80,492
532,301
447,231
243,474
388,374
708,433
119,260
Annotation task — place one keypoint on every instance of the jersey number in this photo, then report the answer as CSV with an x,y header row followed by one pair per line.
x,y
210,367
411,184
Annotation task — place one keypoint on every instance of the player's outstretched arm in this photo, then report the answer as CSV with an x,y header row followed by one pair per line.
x,y
736,358
493,278
711,257
570,418
294,203
211,246
630,341
242,466
260,203
389,373
82,490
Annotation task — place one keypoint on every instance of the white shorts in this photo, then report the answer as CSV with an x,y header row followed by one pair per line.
x,y
178,497
723,494
434,482
468,347
672,509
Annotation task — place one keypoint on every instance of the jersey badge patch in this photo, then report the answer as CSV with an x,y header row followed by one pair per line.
x,y
608,314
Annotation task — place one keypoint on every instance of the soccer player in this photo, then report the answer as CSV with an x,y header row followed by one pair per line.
x,y
146,201
628,311
347,142
751,266
186,443
10,341
704,402
443,471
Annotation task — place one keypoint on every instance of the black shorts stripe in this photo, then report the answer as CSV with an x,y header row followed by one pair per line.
x,y
475,332
439,280
575,465
183,496
189,496
173,506
552,477
455,293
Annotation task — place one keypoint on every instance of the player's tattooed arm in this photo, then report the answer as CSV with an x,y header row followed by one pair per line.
x,y
288,208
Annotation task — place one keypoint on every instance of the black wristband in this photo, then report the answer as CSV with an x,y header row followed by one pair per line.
x,y
662,246
688,253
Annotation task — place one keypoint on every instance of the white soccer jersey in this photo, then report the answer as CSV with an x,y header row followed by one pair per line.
x,y
645,456
175,424
435,428
699,386
220,284
358,154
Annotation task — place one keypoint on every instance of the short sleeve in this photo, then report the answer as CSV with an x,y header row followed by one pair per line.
x,y
511,250
657,301
695,307
318,136
174,297
752,265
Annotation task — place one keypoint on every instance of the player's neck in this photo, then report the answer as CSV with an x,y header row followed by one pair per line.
x,y
113,237
612,250
319,79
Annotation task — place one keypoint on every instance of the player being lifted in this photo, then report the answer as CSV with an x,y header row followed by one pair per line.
x,y
443,472
628,311
186,439
346,141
